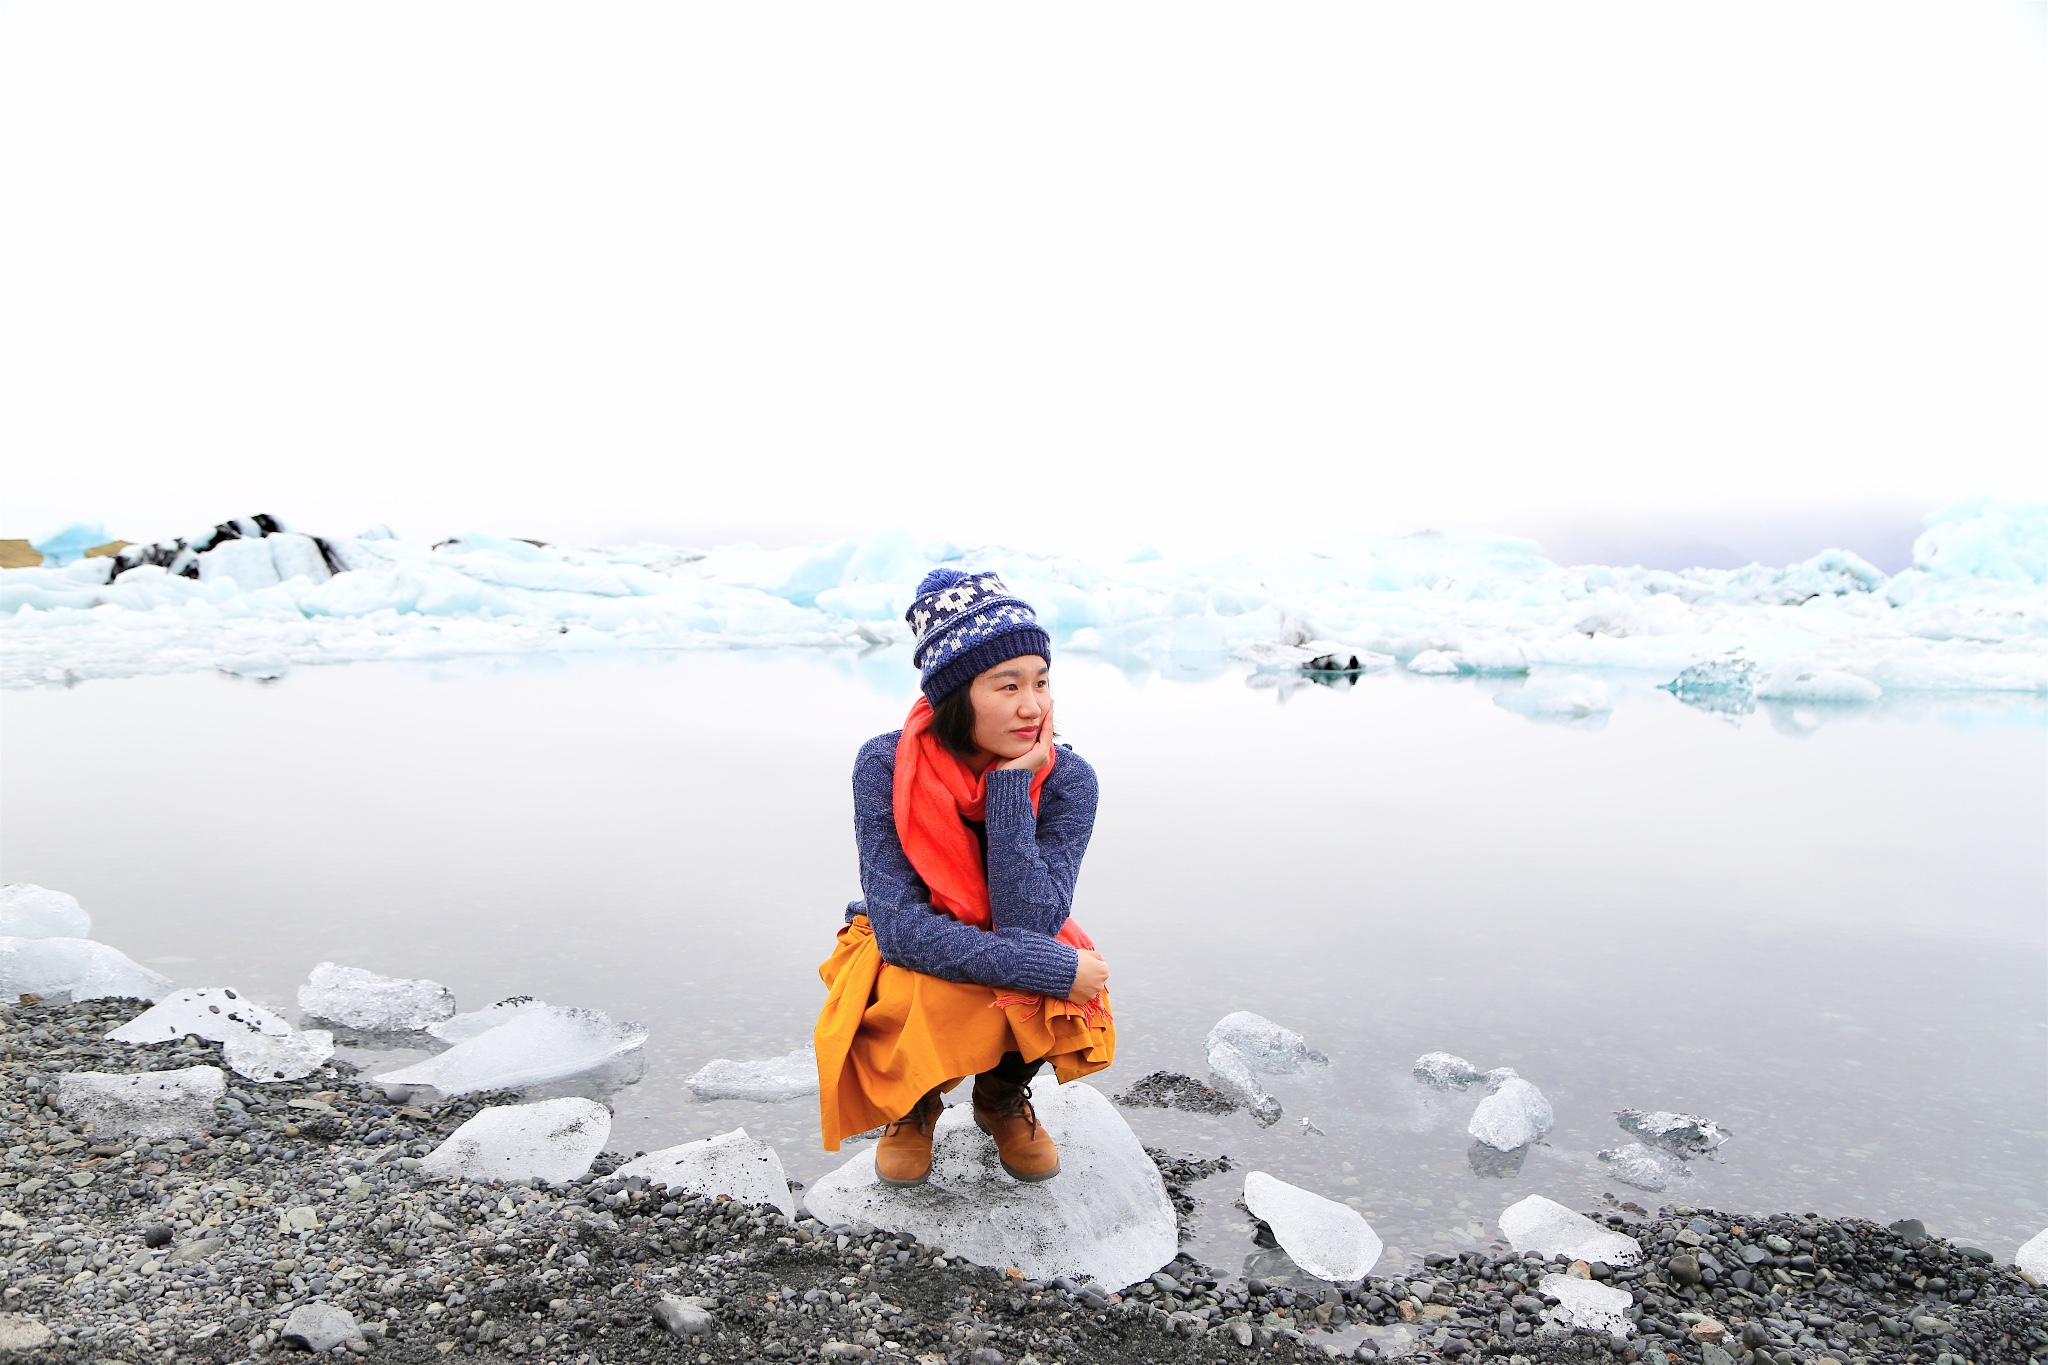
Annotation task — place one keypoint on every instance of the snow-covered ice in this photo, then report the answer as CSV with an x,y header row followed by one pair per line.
x,y
745,1168
1442,1071
29,911
1646,1168
1971,614
1107,1215
531,1048
359,999
1589,1304
2032,1256
1514,1114
460,1028
551,1140
777,1078
1687,1135
1549,1228
150,1104
1265,1046
78,968
1329,1240
256,1043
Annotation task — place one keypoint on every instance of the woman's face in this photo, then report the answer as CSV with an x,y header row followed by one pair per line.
x,y
1010,701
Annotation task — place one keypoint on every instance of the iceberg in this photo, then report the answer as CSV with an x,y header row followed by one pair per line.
x,y
1107,1216
1266,1046
732,1164
357,999
152,1104
1685,1135
1588,1304
1726,684
1799,681
1548,1228
255,1043
552,1140
77,968
533,1047
1330,1241
1442,1071
461,1028
1514,1115
28,911
778,1078
1646,1168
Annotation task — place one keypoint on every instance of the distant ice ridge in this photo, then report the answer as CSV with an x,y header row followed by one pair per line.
x,y
254,595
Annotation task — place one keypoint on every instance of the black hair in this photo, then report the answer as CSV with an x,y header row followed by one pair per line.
x,y
953,721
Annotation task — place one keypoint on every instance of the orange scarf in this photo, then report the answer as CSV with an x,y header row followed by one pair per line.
x,y
935,795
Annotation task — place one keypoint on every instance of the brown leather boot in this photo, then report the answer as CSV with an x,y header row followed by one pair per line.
x,y
1004,1112
904,1155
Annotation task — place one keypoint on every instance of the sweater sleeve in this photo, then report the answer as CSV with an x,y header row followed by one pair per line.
x,y
1033,861
913,933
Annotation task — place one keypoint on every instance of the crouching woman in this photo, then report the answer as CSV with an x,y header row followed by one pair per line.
x,y
962,960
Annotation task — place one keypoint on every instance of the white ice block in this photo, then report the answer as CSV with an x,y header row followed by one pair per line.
x,y
151,1104
777,1078
247,563
1443,1071
1549,1228
1329,1240
2032,1257
1105,1216
461,1028
1514,1115
1646,1168
552,1140
744,1168
531,1048
1264,1045
364,1000
1684,1135
29,911
297,556
74,967
1231,1074
256,1043
1588,1303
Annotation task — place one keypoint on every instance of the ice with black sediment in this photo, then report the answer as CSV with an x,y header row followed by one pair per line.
x,y
1683,1135
1106,1215
359,999
533,1047
150,1104
787,1077
255,1043
735,1165
552,1140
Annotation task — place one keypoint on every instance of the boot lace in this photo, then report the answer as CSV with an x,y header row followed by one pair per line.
x,y
1014,1101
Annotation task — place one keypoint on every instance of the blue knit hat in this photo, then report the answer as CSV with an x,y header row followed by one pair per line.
x,y
967,623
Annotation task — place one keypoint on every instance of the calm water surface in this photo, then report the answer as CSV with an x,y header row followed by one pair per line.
x,y
1828,932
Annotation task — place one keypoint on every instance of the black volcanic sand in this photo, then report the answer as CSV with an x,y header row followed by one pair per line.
x,y
433,1269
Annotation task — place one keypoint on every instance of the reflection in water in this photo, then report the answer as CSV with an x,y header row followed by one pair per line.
x,y
1491,1163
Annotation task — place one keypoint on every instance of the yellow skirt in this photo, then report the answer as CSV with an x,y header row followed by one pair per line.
x,y
887,1035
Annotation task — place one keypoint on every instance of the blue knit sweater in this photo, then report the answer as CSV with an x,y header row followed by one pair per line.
x,y
1031,863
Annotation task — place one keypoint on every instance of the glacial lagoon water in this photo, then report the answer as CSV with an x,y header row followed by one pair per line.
x,y
1826,929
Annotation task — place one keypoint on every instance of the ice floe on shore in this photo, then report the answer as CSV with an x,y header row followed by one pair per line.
x,y
252,595
257,1044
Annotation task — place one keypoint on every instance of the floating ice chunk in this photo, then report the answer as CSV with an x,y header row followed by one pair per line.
x,y
1802,682
77,967
553,1140
1265,1045
29,911
1106,1216
532,1047
1514,1115
778,1078
1434,663
1589,1304
461,1028
255,1043
1687,1135
1568,697
1329,1240
1231,1075
1726,684
1494,658
2032,1257
152,1104
1549,1228
364,1000
745,1168
1646,1168
1442,1071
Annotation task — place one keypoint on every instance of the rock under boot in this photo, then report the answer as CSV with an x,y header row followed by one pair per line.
x,y
1004,1112
904,1155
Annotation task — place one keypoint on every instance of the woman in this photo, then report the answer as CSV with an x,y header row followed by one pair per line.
x,y
961,960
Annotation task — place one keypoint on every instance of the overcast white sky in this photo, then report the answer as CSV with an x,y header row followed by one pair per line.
x,y
1056,274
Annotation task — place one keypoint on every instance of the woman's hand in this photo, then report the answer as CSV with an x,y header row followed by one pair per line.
x,y
1040,753
1091,973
